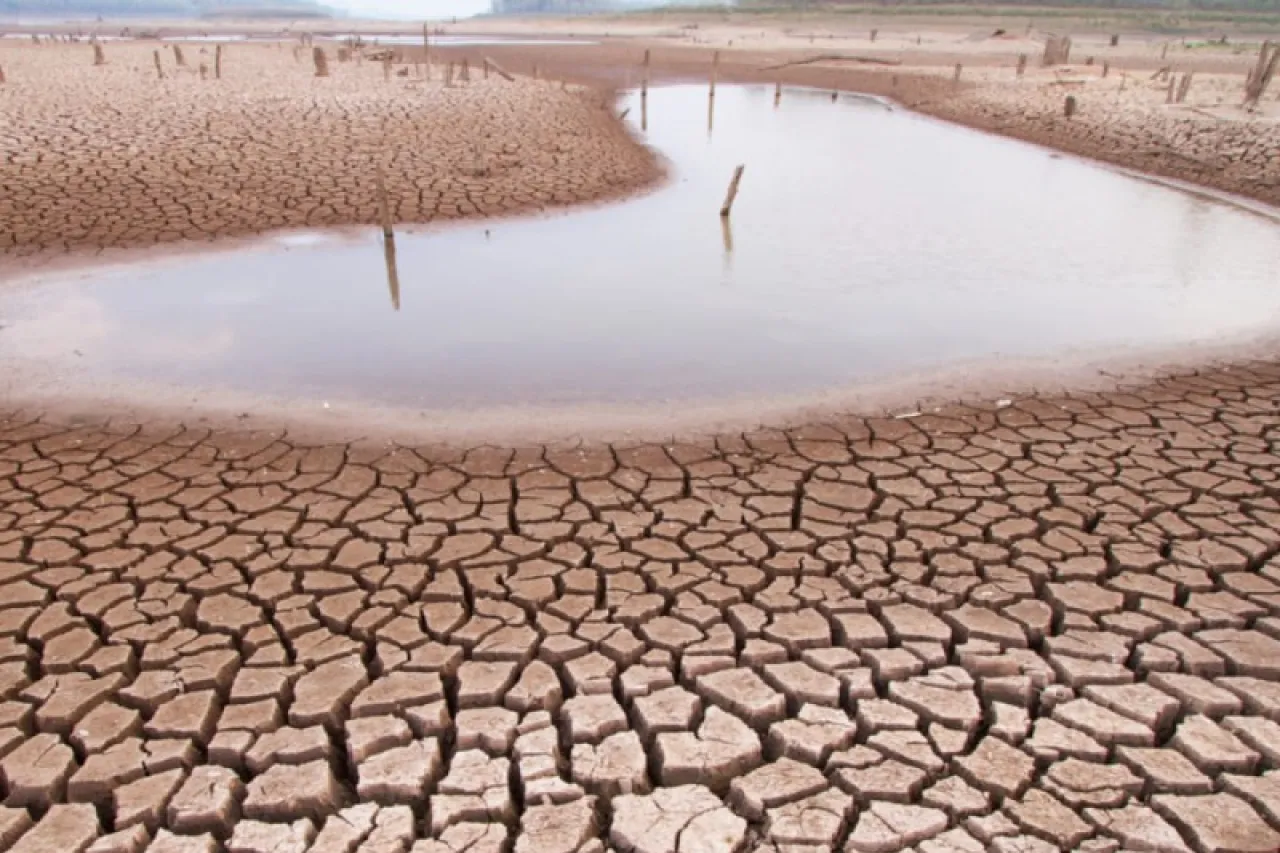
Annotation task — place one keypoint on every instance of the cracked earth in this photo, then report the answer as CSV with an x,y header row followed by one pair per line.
x,y
1047,625
104,156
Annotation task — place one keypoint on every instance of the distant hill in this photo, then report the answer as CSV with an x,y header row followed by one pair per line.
x,y
164,8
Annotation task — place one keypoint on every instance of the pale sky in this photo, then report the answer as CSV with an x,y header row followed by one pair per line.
x,y
415,10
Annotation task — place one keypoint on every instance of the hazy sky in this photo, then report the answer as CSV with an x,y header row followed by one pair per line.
x,y
411,9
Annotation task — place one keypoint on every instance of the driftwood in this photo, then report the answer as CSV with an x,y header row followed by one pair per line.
x,y
834,57
489,63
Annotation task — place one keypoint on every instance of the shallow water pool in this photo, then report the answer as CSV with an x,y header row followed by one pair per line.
x,y
866,242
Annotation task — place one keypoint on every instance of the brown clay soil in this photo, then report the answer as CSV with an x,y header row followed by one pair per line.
x,y
1047,624
108,156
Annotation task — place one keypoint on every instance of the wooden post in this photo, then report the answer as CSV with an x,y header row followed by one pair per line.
x,y
874,33
1106,69
1260,77
2,78
386,68
1184,88
1057,51
1164,50
99,58
1115,41
1168,95
959,68
384,206
321,61
1069,106
464,74
178,58
777,93
1022,64
217,62
159,67
715,67
727,207
426,47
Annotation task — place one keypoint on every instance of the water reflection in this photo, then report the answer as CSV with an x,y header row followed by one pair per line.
x,y
864,243
393,274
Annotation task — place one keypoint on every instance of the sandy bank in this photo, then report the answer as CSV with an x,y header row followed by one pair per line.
x,y
108,156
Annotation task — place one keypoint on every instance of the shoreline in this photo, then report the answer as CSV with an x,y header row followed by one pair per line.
x,y
129,161
601,68
989,102
981,384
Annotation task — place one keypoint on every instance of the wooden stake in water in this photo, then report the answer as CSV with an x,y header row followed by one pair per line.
x,y
178,58
777,93
715,67
384,206
321,61
159,67
465,73
644,82
217,62
727,207
393,271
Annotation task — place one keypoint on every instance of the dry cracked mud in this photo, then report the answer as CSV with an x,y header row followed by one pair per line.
x,y
94,157
1048,624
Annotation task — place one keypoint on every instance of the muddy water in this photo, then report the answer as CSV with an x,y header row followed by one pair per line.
x,y
866,243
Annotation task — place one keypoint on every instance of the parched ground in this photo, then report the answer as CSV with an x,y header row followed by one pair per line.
x,y
1046,625
111,156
